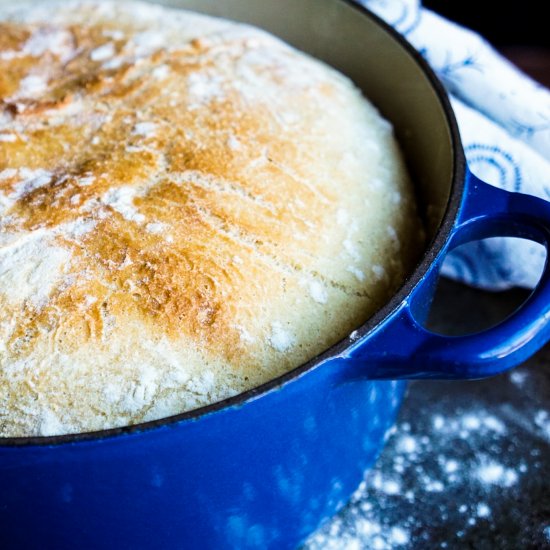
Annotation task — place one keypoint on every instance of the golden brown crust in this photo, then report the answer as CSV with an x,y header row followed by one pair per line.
x,y
210,194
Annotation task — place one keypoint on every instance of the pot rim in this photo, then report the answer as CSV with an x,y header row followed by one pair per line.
x,y
432,252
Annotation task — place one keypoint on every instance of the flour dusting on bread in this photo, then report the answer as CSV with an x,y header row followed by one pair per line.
x,y
188,208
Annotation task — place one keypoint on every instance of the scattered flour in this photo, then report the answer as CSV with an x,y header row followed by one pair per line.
x,y
518,377
115,34
542,420
233,143
318,292
389,509
471,422
433,486
280,339
438,422
31,86
30,267
113,63
494,473
359,275
145,129
55,41
379,272
8,173
28,181
50,424
161,72
349,247
494,424
103,52
451,466
77,228
388,486
121,199
156,227
204,88
406,444
44,40
245,335
147,42
482,510
399,536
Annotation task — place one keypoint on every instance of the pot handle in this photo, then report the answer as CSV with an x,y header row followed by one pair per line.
x,y
403,349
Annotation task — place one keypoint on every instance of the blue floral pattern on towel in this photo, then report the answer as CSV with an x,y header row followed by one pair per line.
x,y
504,120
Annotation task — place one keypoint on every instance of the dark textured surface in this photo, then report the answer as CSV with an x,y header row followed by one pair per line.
x,y
468,466
521,512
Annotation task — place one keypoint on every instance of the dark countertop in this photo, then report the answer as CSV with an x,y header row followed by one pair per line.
x,y
468,465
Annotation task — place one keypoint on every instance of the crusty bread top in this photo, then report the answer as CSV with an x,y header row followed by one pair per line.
x,y
188,208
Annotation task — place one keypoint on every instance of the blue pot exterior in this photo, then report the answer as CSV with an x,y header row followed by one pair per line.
x,y
260,475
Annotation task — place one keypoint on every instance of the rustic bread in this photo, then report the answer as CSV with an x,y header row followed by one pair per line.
x,y
188,208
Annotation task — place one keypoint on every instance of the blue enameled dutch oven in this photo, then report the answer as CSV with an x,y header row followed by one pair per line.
x,y
263,469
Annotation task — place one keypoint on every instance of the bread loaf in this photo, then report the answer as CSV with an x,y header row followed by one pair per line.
x,y
188,208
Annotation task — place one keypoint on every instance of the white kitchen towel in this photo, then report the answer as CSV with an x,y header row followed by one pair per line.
x,y
504,121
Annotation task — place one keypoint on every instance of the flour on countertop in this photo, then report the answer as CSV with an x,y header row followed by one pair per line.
x,y
451,468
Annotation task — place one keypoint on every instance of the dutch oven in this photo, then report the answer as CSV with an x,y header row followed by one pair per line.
x,y
264,468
